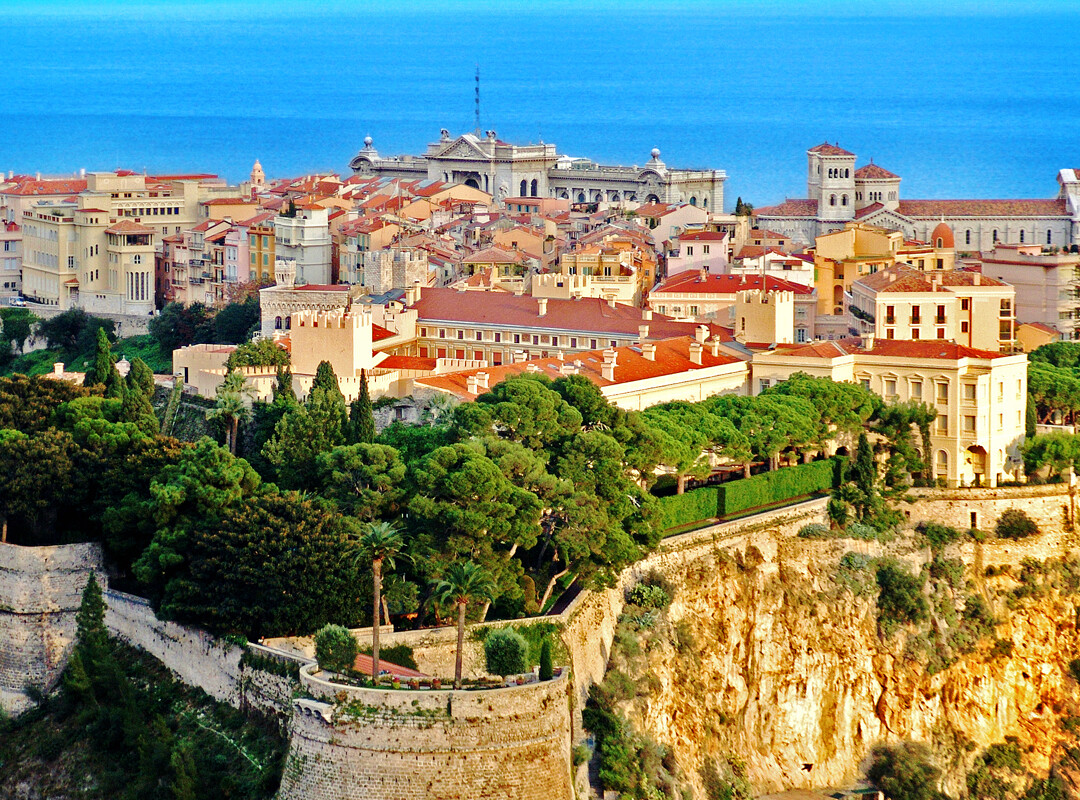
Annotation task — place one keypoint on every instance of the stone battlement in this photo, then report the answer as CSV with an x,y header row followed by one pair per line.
x,y
337,318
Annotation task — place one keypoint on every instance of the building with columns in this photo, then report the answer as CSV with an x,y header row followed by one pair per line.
x,y
838,193
507,170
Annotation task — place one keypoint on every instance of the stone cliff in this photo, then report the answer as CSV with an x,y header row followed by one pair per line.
x,y
771,654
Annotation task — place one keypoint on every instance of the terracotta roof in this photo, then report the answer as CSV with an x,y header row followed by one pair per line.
x,y
1041,327
322,287
128,226
407,362
983,208
765,233
672,357
491,255
873,171
944,232
47,187
826,149
378,333
228,201
909,279
789,208
937,349
703,236
586,315
870,209
689,282
654,209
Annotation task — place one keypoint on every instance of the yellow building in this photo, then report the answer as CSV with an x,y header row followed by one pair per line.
x,y
980,395
262,249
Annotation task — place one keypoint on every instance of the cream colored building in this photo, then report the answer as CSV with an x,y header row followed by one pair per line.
x,y
650,372
1047,284
279,302
305,239
762,316
957,306
980,395
607,274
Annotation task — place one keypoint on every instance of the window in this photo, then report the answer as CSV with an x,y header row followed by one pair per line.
x,y
1006,308
498,336
967,236
941,333
890,387
964,326
1021,237
705,249
969,392
136,259
890,315
832,199
479,336
890,333
942,424
693,311
592,344
764,384
865,383
1049,236
914,334
940,318
1001,391
942,392
843,200
916,316
517,338
689,250
969,424
1001,421
916,390
442,333
1005,330
942,459
461,334
965,304
995,235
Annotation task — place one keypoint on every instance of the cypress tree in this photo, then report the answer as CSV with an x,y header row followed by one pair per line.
x,y
141,377
864,473
361,415
90,630
104,373
283,390
546,670
326,380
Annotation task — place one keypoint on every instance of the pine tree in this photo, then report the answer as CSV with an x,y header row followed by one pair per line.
x,y
326,379
361,415
138,389
90,632
283,389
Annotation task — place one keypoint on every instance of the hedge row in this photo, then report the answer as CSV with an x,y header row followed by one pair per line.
x,y
677,510
707,502
775,486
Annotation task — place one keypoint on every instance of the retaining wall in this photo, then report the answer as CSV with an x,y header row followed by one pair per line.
x,y
432,744
40,592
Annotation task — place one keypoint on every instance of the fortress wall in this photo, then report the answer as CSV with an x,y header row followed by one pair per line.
x,y
1045,504
493,743
196,657
40,592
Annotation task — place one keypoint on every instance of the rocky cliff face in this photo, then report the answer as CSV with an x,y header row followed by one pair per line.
x,y
774,655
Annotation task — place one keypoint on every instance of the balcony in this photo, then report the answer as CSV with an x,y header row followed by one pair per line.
x,y
939,320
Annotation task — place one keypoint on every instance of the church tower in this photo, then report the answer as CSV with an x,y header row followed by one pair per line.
x,y
258,178
831,181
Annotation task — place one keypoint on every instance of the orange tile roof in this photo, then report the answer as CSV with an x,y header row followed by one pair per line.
x,y
407,362
703,236
62,186
672,357
909,279
128,226
935,349
228,201
827,149
491,255
983,208
789,208
689,282
873,171
584,315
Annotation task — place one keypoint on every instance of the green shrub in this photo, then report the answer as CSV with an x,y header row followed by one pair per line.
x,y
900,599
582,753
1015,524
938,536
905,772
774,487
335,648
648,596
860,530
546,669
1074,669
950,570
696,505
814,530
506,652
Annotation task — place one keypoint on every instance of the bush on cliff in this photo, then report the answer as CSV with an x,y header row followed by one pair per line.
x,y
905,772
900,600
1014,523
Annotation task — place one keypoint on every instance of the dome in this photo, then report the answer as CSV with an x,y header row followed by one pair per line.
x,y
942,236
655,152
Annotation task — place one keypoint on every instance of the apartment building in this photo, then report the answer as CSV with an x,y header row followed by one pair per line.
x,y
957,306
1047,284
980,395
303,236
698,250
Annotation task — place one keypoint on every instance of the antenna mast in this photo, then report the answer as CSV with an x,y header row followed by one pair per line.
x,y
477,99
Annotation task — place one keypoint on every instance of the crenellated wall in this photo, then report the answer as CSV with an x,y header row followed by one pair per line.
x,y
40,592
368,744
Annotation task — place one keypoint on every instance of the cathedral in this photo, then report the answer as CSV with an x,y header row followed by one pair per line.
x,y
536,170
838,193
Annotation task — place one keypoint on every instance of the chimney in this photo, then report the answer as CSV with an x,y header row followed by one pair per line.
x,y
470,384
82,172
412,293
892,277
542,301
714,346
58,368
482,380
703,274
648,349
607,370
642,332
868,342
695,352
701,333
646,314
976,279
611,302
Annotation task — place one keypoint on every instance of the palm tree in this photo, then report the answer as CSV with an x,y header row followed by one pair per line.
x,y
379,543
231,406
463,584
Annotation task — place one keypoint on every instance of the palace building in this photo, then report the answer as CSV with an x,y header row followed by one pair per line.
x,y
536,170
839,193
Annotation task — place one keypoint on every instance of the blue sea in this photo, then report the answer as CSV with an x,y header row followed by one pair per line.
x,y
961,99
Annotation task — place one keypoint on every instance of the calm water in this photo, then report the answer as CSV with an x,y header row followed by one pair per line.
x,y
969,104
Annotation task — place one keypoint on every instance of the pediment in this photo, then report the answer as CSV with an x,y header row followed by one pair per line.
x,y
886,218
462,147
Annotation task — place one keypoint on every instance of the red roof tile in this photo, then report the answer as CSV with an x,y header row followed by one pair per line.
x,y
874,172
703,236
789,208
935,349
826,149
407,362
689,282
983,208
48,187
128,226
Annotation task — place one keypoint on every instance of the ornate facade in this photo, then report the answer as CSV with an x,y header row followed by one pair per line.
x,y
537,170
838,193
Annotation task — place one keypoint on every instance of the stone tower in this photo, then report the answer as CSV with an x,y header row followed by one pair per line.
x,y
258,177
830,180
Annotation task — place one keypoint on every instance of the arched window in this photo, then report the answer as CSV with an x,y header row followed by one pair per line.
x,y
995,235
277,323
832,199
847,173
843,200
288,323
940,242
1021,237
524,186
581,197
705,202
693,200
1049,236
830,173
967,236
942,459
535,187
